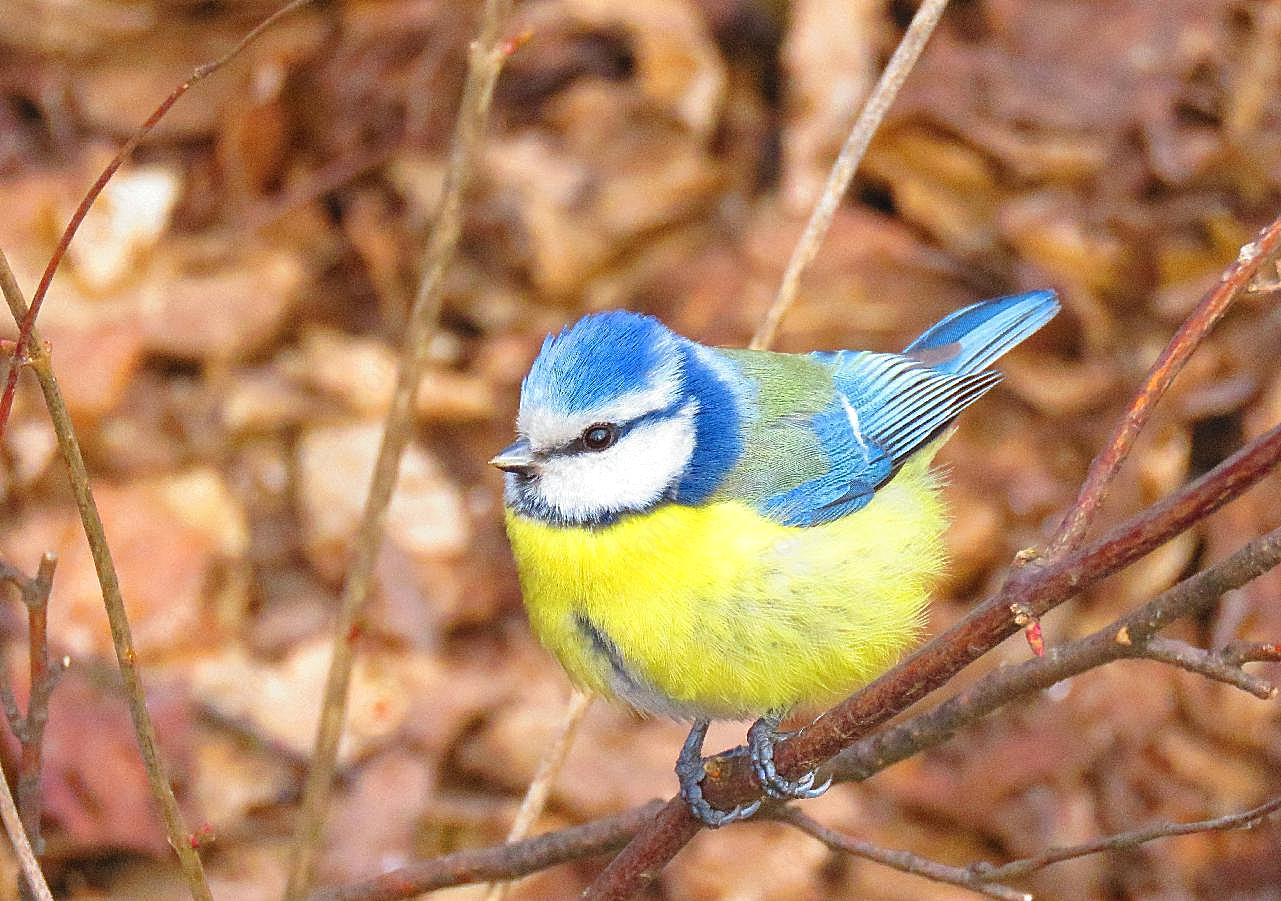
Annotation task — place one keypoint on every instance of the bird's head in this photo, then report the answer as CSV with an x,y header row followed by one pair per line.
x,y
612,416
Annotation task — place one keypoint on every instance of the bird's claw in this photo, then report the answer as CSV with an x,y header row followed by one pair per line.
x,y
691,771
761,739
712,817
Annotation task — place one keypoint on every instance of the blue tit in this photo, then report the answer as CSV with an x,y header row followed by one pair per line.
x,y
712,533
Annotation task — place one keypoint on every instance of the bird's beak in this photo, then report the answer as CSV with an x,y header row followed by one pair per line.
x,y
515,457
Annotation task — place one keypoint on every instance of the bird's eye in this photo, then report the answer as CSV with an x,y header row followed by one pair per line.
x,y
600,436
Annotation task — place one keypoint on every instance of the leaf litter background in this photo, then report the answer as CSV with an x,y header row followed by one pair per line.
x,y
225,331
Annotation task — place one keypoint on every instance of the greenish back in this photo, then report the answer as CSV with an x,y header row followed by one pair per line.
x,y
781,450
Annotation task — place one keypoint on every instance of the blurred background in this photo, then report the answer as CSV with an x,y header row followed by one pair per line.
x,y
225,331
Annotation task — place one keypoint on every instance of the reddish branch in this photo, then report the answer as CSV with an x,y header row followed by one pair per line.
x,y
29,728
1036,589
499,862
1189,336
91,196
1133,636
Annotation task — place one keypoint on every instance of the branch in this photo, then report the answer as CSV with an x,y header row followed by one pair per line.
x,y
870,755
1124,638
539,789
499,862
842,173
904,861
1211,664
113,600
985,878
31,875
1186,340
485,62
29,728
1036,589
1244,820
28,350
26,325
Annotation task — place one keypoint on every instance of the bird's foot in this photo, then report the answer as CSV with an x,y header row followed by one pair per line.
x,y
761,738
690,771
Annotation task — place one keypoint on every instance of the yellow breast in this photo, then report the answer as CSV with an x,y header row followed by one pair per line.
x,y
717,611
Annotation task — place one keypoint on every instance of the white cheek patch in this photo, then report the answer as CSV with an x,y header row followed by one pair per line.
x,y
631,475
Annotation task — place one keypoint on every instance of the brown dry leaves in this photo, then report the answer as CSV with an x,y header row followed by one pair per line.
x,y
226,326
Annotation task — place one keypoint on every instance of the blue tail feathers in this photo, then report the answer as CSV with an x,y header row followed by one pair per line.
x,y
971,339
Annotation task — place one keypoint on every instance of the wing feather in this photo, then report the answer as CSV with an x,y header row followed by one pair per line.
x,y
887,407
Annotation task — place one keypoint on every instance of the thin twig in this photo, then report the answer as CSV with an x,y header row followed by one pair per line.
x,y
485,62
903,861
44,677
1186,340
1245,820
499,862
121,634
548,769
1211,664
1239,652
28,321
31,874
29,728
842,172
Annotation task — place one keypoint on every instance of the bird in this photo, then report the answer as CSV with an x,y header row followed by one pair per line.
x,y
711,533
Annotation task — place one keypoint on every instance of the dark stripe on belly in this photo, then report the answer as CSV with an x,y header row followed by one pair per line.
x,y
605,647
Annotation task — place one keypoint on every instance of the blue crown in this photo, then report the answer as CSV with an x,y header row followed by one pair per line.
x,y
597,360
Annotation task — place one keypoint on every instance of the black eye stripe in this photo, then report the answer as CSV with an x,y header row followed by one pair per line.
x,y
579,446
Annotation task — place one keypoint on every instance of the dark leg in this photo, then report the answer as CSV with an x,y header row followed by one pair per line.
x,y
690,773
760,745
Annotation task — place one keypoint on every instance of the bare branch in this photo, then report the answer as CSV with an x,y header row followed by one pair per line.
x,y
1239,652
870,755
1037,588
31,874
29,729
548,768
1119,640
904,861
1186,340
500,861
113,600
1246,820
842,172
27,324
44,677
488,54
1211,664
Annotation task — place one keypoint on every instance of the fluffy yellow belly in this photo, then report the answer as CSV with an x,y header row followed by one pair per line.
x,y
714,611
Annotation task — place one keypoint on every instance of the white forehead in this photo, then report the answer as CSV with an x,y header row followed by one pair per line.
x,y
547,428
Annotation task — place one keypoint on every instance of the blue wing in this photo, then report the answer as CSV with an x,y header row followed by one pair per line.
x,y
886,407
